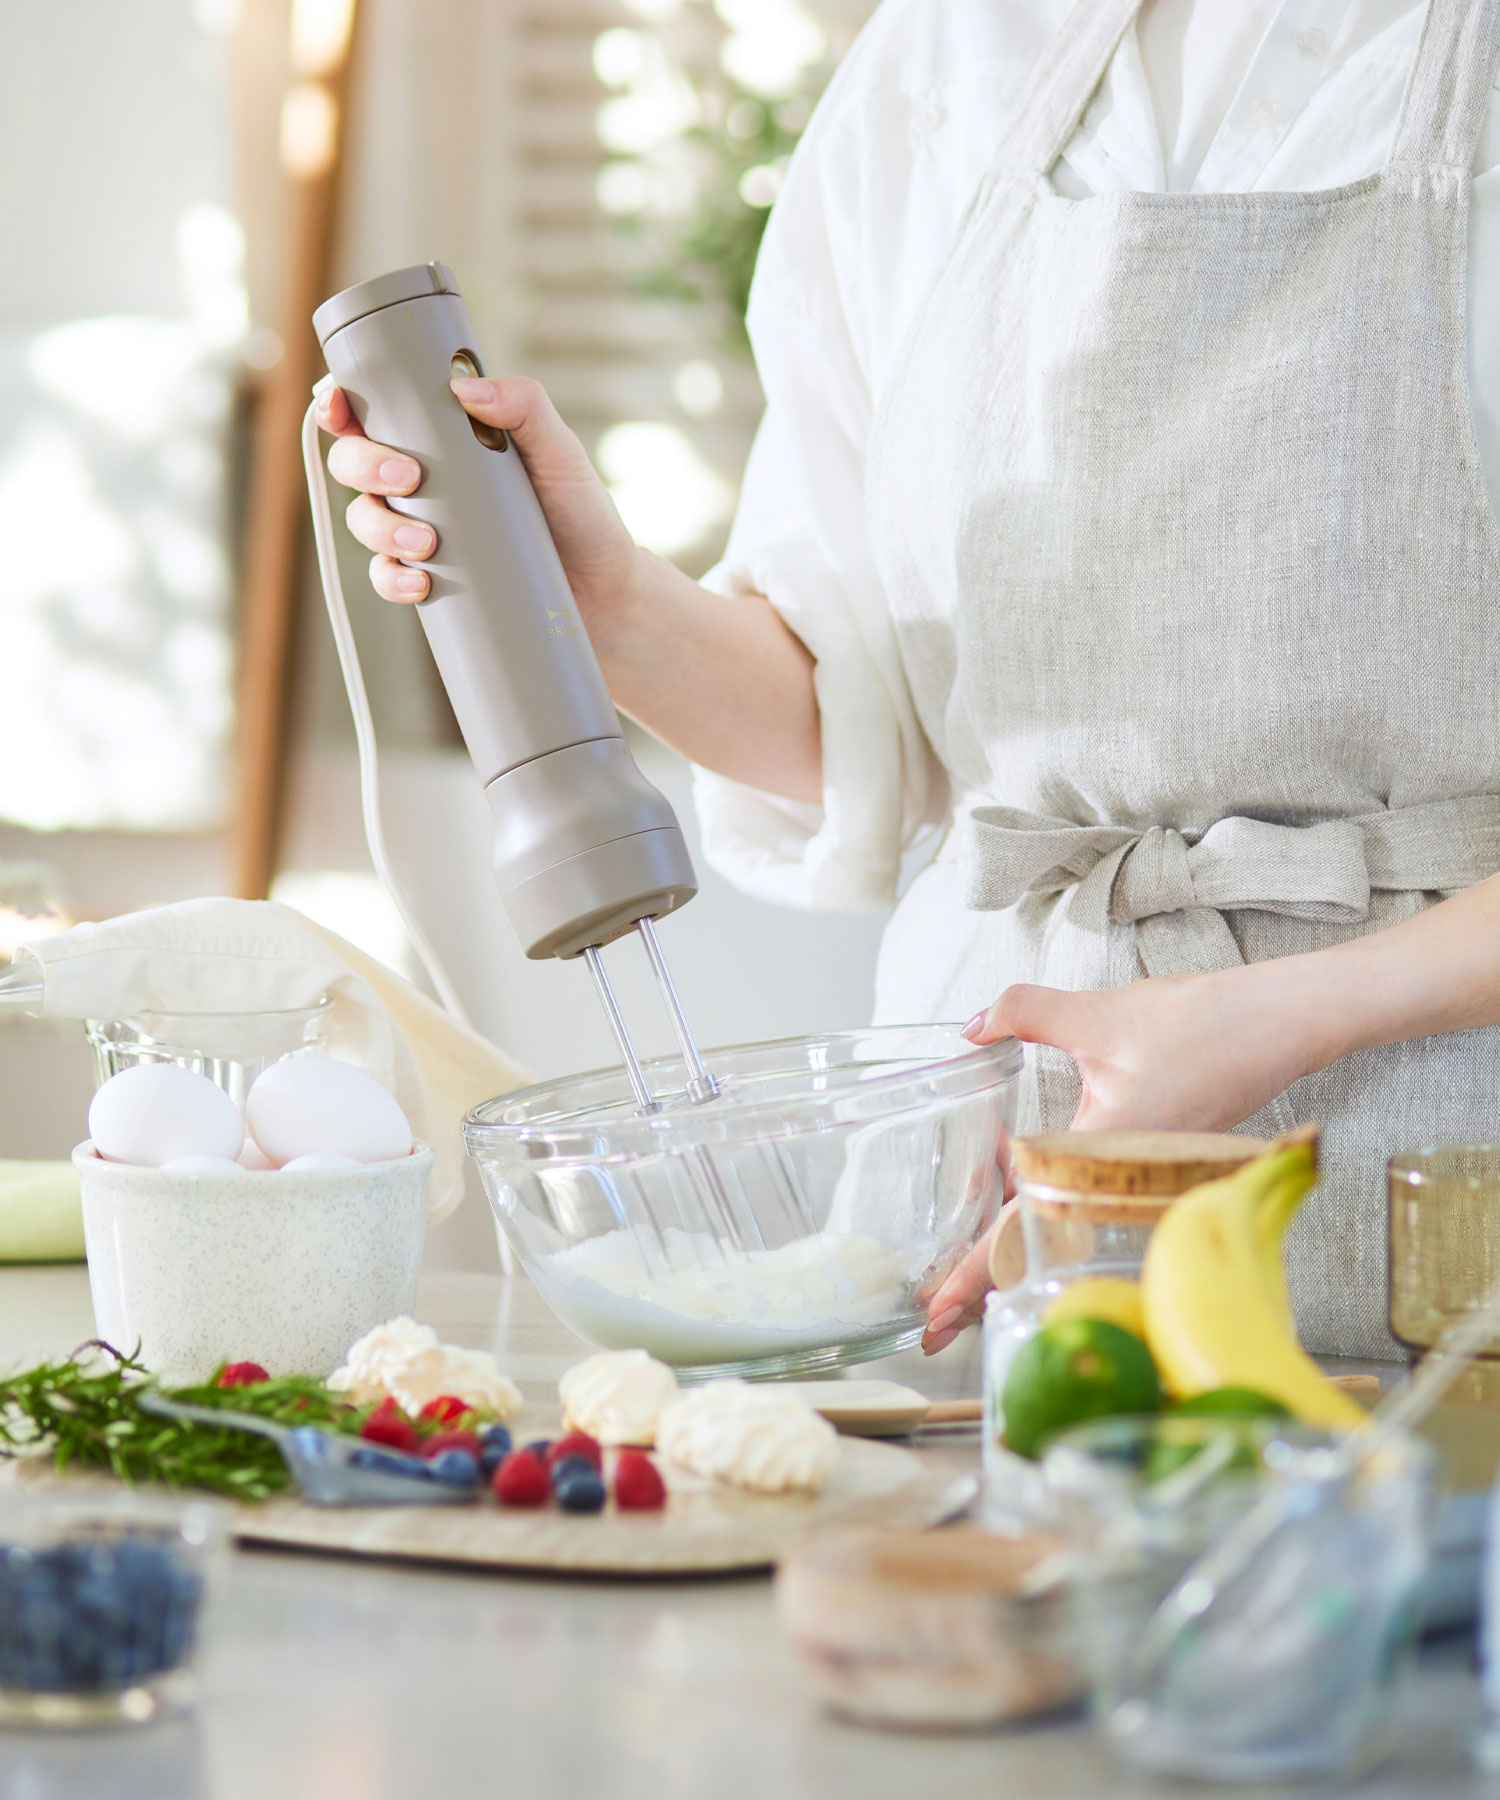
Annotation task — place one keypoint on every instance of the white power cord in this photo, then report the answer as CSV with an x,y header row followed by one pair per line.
x,y
359,706
364,730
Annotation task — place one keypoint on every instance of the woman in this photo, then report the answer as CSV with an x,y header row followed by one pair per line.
x,y
1124,500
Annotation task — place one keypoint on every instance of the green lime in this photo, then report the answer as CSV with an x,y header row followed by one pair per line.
x,y
1230,1403
1168,1454
1071,1370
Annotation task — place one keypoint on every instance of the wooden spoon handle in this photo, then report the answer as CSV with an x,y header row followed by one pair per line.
x,y
954,1412
971,1412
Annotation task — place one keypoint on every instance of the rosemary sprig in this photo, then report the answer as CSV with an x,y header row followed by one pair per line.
x,y
91,1416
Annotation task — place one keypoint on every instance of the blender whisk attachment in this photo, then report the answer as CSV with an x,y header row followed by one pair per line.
x,y
700,1085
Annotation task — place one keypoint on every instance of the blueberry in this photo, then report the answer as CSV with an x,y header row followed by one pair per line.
x,y
539,1447
390,1462
455,1468
93,1613
496,1441
581,1492
569,1467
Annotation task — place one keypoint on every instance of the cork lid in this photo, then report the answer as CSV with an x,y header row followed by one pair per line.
x,y
1138,1164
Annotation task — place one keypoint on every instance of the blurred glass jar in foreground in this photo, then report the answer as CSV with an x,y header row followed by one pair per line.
x,y
100,1605
1286,1669
1086,1205
953,1630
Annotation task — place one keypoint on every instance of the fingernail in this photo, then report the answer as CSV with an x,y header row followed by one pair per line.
x,y
470,387
410,584
934,1341
949,1316
399,471
413,537
974,1027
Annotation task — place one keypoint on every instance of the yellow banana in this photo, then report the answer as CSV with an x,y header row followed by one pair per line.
x,y
1214,1292
1271,1221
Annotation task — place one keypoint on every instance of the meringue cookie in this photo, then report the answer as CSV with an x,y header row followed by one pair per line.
x,y
751,1435
404,1360
617,1396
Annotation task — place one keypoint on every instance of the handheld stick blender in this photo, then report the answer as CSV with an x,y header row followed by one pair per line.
x,y
586,849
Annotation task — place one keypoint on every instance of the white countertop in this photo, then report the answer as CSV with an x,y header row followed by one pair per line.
x,y
331,1679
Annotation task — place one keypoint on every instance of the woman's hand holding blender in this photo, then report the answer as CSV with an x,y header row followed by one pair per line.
x,y
721,679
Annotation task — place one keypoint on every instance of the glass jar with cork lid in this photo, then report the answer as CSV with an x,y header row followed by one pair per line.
x,y
1085,1207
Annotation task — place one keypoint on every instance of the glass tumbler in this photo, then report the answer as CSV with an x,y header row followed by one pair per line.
x,y
1444,1239
101,1597
231,1049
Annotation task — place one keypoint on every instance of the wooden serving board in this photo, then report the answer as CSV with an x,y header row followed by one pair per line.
x,y
705,1528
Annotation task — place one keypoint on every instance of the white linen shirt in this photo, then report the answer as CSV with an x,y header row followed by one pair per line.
x,y
1203,96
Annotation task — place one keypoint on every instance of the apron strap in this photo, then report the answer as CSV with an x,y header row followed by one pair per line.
x,y
1063,82
1174,890
1448,90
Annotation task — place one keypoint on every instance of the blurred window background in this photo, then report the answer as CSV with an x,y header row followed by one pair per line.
x,y
597,173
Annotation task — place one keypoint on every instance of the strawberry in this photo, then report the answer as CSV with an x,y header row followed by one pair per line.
x,y
576,1443
638,1483
522,1481
445,1409
390,1426
454,1440
241,1374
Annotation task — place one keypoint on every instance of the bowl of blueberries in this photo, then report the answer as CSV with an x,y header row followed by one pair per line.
x,y
101,1602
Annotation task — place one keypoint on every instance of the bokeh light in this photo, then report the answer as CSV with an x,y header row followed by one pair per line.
x,y
771,43
669,498
698,388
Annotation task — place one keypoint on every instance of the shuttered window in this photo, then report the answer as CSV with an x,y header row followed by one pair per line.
x,y
612,356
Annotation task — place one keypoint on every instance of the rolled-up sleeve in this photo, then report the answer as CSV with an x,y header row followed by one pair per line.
x,y
800,540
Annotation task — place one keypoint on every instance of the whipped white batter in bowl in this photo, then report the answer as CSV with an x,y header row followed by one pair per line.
x,y
794,1224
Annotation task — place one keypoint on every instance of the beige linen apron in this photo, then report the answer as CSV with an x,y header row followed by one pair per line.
x,y
1197,585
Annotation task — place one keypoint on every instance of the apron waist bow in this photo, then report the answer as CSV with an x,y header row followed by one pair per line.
x,y
1174,887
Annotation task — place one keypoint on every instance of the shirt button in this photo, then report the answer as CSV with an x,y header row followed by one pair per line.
x,y
1311,42
928,114
1266,112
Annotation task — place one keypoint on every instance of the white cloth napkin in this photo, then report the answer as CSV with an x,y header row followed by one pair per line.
x,y
250,956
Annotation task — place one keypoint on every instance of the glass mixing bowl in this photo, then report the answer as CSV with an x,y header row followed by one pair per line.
x,y
795,1224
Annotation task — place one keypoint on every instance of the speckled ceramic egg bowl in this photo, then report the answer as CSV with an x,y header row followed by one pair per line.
x,y
286,1270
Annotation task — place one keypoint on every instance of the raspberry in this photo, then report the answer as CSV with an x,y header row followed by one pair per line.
x,y
521,1480
242,1374
576,1443
638,1483
445,1409
454,1440
390,1426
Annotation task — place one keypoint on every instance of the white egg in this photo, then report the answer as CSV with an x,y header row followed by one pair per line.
x,y
203,1165
156,1113
319,1159
253,1158
310,1105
